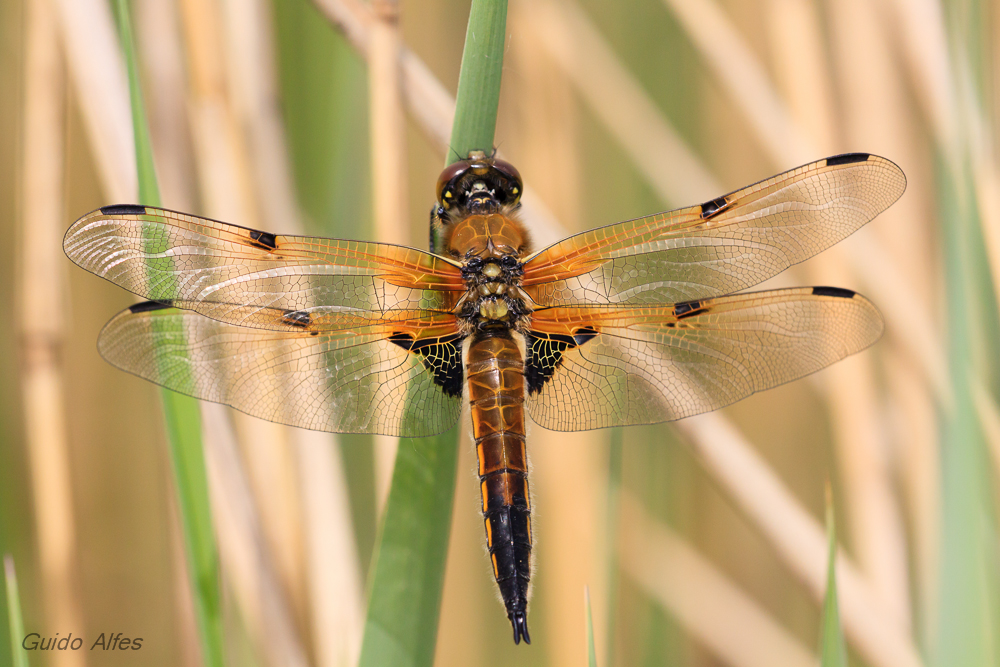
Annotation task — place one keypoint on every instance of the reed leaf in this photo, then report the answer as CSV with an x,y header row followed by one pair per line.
x,y
181,413
832,650
591,651
964,627
478,97
14,619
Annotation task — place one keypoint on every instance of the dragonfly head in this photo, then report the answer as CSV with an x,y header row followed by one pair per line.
x,y
478,184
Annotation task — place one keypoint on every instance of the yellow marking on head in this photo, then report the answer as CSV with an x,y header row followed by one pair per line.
x,y
491,270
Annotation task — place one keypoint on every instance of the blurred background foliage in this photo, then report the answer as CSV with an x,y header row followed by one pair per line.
x,y
701,542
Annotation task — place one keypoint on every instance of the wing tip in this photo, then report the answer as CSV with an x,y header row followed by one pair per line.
x,y
876,160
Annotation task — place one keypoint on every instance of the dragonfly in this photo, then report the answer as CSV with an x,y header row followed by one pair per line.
x,y
639,322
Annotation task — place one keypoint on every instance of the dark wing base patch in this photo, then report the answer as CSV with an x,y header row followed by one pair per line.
x,y
545,352
441,356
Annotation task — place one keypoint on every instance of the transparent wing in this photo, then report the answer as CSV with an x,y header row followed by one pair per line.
x,y
216,268
609,366
401,376
721,246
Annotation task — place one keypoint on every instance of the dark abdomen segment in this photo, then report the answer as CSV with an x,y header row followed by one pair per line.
x,y
496,391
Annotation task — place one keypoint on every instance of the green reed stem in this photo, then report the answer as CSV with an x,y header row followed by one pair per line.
x,y
16,622
181,413
832,650
478,97
591,650
966,580
408,575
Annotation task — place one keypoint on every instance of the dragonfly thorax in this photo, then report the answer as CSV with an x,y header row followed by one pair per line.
x,y
494,298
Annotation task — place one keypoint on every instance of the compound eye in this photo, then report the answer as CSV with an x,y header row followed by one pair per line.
x,y
508,261
515,184
446,181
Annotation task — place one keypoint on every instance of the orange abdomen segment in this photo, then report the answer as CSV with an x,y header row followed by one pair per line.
x,y
495,371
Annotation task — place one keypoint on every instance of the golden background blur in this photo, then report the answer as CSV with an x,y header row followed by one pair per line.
x,y
701,542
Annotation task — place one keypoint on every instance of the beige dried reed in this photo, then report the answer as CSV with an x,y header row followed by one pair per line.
x,y
388,167
43,301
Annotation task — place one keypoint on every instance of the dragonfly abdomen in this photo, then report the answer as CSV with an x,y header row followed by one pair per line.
x,y
495,370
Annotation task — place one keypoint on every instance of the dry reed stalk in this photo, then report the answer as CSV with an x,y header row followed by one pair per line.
x,y
879,114
96,68
42,306
885,645
337,598
799,539
95,64
388,123
874,516
568,488
253,568
254,98
924,41
390,207
162,54
568,469
225,181
232,167
226,187
712,609
795,34
243,548
247,57
268,457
